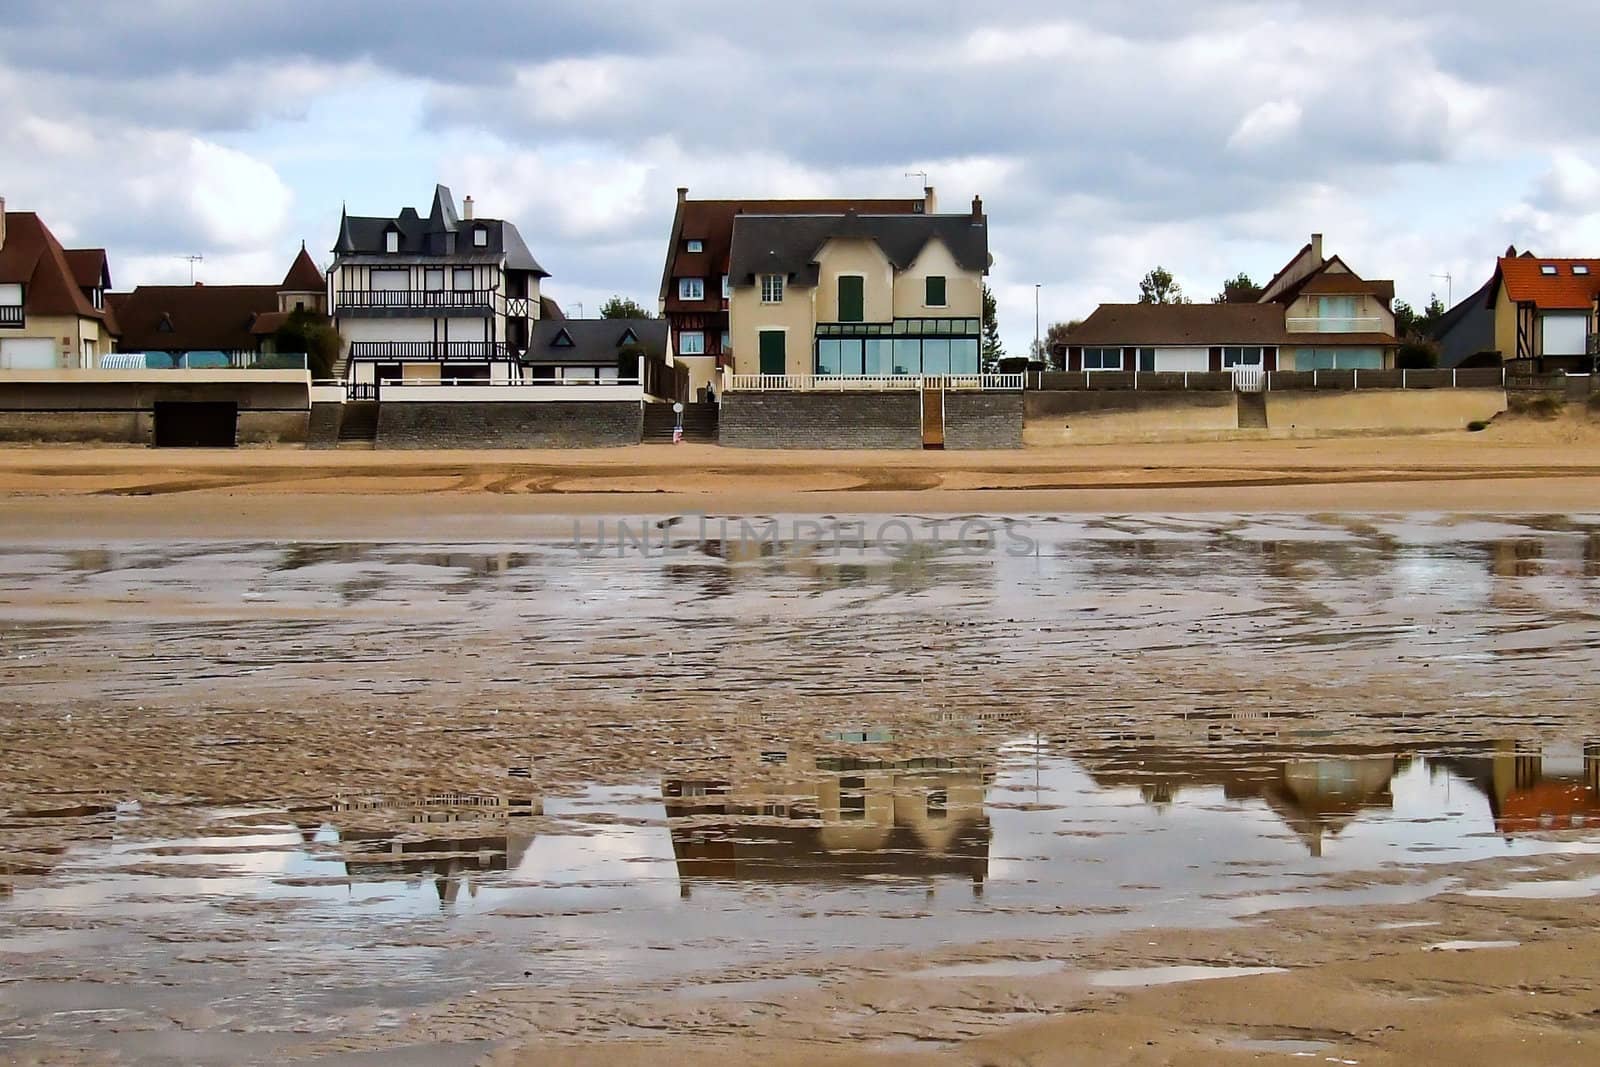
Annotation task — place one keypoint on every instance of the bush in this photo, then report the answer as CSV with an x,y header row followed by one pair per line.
x,y
1542,407
313,334
1417,355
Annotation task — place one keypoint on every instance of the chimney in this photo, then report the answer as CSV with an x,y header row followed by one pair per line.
x,y
977,207
466,208
1316,247
683,193
930,202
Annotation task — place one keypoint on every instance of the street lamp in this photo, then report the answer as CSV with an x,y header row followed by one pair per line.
x,y
1038,349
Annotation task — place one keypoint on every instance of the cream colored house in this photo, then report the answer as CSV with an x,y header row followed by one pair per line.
x,y
848,295
53,311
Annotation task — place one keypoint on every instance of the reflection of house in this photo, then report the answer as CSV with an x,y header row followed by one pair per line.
x,y
1315,314
53,312
855,819
228,322
1555,787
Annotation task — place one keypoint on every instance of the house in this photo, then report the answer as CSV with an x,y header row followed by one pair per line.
x,y
1315,314
695,285
53,311
854,293
216,325
1544,310
438,296
1465,333
592,351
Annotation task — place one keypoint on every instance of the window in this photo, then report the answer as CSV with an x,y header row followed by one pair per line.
x,y
1339,359
1102,359
852,298
1580,269
692,343
1147,360
389,280
879,358
695,246
1241,357
727,290
1547,268
480,237
299,305
691,289
563,340
933,295
391,241
727,342
964,355
907,355
839,357
433,279
772,288
461,279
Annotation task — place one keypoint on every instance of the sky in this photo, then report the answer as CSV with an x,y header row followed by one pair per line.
x,y
1105,137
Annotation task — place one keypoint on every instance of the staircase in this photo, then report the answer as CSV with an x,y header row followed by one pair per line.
x,y
341,367
699,423
1252,411
359,427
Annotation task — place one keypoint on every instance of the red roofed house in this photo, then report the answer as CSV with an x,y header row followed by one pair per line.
x,y
53,311
695,288
1544,310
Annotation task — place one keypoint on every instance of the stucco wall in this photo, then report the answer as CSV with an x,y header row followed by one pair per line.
x,y
749,316
1399,410
1086,417
858,256
117,407
963,288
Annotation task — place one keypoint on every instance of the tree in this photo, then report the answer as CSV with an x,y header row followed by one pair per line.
x,y
1159,287
305,331
1054,340
992,350
620,307
1408,325
1405,319
1429,319
1238,289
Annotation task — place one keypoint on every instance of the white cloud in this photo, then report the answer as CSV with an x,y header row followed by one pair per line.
x,y
1267,125
240,201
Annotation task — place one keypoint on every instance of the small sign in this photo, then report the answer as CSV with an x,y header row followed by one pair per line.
x,y
678,407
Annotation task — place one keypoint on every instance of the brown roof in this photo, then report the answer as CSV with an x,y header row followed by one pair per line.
x,y
1335,282
193,318
1526,282
303,276
34,258
711,222
549,309
89,267
1202,325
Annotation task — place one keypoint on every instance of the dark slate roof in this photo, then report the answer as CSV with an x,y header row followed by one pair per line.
x,y
549,309
441,233
1202,325
788,244
303,276
594,342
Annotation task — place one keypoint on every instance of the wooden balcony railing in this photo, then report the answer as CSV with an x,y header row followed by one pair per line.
x,y
425,299
428,351
11,315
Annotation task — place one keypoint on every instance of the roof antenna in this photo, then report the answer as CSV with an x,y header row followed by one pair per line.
x,y
1449,287
192,261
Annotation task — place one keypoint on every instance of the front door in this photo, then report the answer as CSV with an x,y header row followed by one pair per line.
x,y
933,418
774,355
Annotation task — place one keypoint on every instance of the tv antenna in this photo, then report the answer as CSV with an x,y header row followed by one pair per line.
x,y
192,261
919,174
1449,286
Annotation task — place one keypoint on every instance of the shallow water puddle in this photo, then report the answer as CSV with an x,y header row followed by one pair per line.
x,y
1147,976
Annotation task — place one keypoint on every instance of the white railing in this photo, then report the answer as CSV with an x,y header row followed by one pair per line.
x,y
1317,324
841,383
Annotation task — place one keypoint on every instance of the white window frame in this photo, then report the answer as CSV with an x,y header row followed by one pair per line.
x,y
1239,360
1102,350
727,288
695,347
691,288
480,237
455,280
772,288
391,241
695,245
433,279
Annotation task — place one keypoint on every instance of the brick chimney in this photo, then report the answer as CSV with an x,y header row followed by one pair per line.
x,y
977,207
683,193
467,208
1316,247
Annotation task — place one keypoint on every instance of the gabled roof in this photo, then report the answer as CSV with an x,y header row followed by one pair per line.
x,y
594,342
442,233
303,276
89,267
789,244
193,318
1527,283
711,223
1180,324
33,258
549,309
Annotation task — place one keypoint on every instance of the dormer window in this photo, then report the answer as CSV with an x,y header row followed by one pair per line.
x,y
562,340
1580,268
480,237
1547,268
696,246
391,241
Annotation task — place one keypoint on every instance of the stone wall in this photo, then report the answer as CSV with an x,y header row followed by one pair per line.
x,y
820,420
82,410
982,420
510,424
323,429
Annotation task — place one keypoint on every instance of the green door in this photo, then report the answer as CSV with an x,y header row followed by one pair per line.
x,y
852,302
774,360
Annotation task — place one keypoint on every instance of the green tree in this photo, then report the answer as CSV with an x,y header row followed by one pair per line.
x,y
1238,289
305,331
1429,319
620,307
992,351
1409,325
1159,287
1405,319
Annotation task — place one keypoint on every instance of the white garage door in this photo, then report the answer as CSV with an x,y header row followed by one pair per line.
x,y
1183,359
28,353
1566,335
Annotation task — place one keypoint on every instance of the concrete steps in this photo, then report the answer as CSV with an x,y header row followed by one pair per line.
x,y
1252,411
699,423
358,428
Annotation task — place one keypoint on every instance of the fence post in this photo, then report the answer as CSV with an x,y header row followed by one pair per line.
x,y
1453,372
1355,378
1402,377
1313,377
1186,381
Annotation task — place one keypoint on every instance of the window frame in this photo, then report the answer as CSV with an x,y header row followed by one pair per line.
x,y
1239,361
694,244
683,347
772,286
391,241
456,274
691,289
860,282
1100,351
944,291
480,237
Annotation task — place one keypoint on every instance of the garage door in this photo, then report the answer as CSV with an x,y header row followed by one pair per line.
x,y
28,353
1566,335
182,424
1183,359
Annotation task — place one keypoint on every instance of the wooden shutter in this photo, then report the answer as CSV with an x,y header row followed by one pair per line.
x,y
852,298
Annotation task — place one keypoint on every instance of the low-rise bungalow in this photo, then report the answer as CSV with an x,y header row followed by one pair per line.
x,y
1315,314
53,312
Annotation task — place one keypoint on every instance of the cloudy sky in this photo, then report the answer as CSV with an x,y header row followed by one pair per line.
x,y
1104,136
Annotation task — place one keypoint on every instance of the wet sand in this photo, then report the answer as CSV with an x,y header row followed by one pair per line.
x,y
464,791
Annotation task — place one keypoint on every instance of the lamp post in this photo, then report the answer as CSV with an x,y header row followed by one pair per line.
x,y
1038,349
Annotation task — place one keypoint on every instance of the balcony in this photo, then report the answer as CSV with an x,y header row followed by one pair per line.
x,y
1316,324
11,315
475,301
429,351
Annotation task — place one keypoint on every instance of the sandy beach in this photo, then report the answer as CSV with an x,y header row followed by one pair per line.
x,y
1264,749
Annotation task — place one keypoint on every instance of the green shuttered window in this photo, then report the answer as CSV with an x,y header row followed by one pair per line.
x,y
852,298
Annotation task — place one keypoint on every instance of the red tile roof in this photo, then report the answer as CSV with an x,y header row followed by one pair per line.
x,y
1526,282
34,258
303,276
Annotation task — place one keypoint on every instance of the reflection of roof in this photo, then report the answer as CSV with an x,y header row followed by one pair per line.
x,y
450,861
801,853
